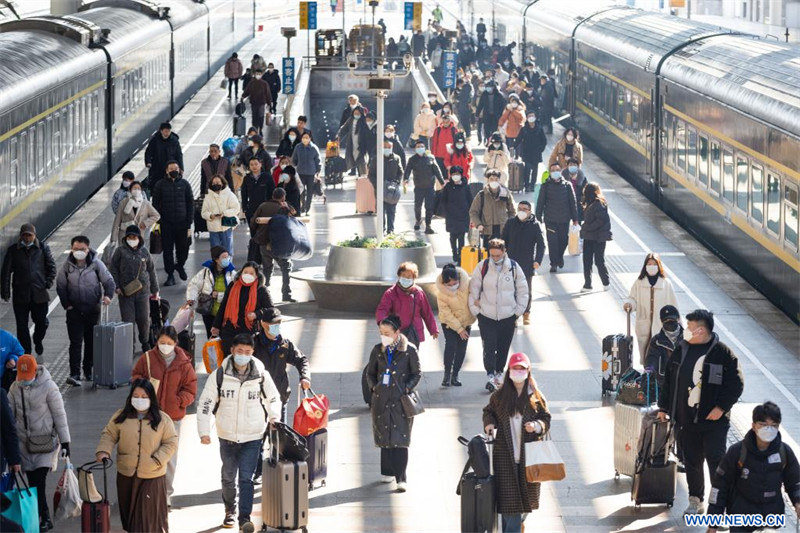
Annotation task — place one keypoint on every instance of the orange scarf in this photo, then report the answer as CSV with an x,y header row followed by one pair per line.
x,y
232,308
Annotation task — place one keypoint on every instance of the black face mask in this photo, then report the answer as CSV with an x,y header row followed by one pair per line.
x,y
174,174
670,326
216,187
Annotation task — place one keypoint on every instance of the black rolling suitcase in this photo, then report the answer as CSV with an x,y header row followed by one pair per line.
x,y
159,311
188,340
317,444
239,126
655,477
617,358
477,488
200,224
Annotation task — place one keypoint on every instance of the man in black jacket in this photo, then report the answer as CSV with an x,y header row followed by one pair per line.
x,y
463,103
664,344
490,107
257,188
748,480
172,197
531,142
163,147
525,245
392,173
273,80
418,44
31,265
702,382
548,95
426,172
556,206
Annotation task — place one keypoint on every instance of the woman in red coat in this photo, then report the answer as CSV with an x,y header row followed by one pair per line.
x,y
460,155
408,301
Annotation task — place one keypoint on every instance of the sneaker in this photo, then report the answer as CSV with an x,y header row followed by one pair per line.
x,y
526,319
75,381
229,522
387,479
429,231
247,527
695,506
181,272
170,281
490,386
401,486
606,287
680,468
586,289
498,380
46,524
39,351
257,480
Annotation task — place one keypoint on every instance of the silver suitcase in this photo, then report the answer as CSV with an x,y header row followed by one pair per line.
x,y
627,428
284,492
113,352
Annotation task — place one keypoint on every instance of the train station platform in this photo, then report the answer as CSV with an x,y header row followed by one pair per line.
x,y
563,342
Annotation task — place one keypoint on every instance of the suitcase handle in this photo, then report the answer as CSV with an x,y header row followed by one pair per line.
x,y
628,313
104,313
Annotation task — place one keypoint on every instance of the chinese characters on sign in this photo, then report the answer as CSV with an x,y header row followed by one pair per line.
x,y
288,75
449,60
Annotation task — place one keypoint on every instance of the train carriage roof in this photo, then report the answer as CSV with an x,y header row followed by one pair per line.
x,y
561,17
129,29
759,77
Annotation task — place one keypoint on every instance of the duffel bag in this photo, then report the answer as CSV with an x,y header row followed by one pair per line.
x,y
289,238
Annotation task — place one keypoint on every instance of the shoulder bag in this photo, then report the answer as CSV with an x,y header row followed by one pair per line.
x,y
42,443
411,402
543,462
153,381
205,302
134,286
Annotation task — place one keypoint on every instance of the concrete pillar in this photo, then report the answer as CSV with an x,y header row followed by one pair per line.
x,y
64,7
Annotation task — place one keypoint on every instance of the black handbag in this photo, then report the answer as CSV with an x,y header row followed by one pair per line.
x,y
205,302
292,446
156,243
229,222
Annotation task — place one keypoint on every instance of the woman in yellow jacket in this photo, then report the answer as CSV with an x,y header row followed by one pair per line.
x,y
146,440
453,299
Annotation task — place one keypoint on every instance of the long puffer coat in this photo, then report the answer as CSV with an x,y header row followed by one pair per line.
x,y
514,494
44,410
455,200
128,264
146,214
390,426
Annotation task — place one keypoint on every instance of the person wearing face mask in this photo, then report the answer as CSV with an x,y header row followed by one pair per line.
x,y
529,97
390,134
369,135
556,206
490,107
38,409
596,232
243,298
214,165
350,137
134,209
442,141
131,262
569,147
455,200
221,211
408,302
547,92
664,344
426,172
146,441
256,149
287,144
531,143
128,178
393,370
702,382
574,174
651,291
260,96
243,143
497,157
352,104
295,190
512,120
306,160
173,369
211,281
770,464
501,76
29,271
233,72
459,155
284,161
259,229
173,199
525,243
424,125
273,79
517,413
164,147
238,389
491,208
452,297
83,283
392,176
498,295
464,95
257,187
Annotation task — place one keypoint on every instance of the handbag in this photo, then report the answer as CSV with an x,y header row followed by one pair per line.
x,y
156,242
42,443
86,486
134,286
412,404
229,222
392,192
24,507
543,462
205,302
312,413
155,382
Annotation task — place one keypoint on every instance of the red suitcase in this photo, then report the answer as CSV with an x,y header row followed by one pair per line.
x,y
96,517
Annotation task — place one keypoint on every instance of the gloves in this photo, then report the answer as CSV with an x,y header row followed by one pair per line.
x,y
64,449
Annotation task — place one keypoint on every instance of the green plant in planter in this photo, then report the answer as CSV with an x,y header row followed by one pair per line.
x,y
392,240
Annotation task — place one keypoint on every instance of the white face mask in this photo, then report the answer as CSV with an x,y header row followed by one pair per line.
x,y
140,404
532,120
389,135
494,185
456,178
522,215
247,279
137,194
79,255
570,137
405,282
518,376
651,270
283,178
165,348
687,334
133,243
454,287
386,340
767,433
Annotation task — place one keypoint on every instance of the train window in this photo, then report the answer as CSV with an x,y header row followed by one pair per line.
x,y
727,175
680,144
790,219
715,167
13,166
67,129
741,183
48,143
30,159
691,152
773,203
702,165
601,94
757,195
41,143
673,139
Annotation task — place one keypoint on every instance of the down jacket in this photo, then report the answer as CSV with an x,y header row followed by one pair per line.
x,y
127,264
45,412
243,409
499,294
455,200
222,203
524,242
513,119
146,214
390,426
426,171
396,301
424,125
276,355
203,281
233,68
142,451
159,152
559,154
82,288
174,201
498,160
33,271
454,306
491,209
597,224
639,298
556,203
178,386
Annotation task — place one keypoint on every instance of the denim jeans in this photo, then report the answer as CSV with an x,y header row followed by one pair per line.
x,y
239,460
222,238
512,523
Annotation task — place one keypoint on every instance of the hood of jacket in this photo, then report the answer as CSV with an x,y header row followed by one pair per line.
x,y
210,265
72,263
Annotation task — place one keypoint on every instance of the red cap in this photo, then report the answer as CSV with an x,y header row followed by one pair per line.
x,y
519,358
26,367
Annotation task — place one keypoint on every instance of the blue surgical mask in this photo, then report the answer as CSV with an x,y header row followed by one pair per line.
x,y
489,90
555,174
405,282
225,262
274,329
242,359
572,169
27,382
420,151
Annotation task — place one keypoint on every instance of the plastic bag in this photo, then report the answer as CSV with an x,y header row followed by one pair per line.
x,y
67,498
311,414
183,318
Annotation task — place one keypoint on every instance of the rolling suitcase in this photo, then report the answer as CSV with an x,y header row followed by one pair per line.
x,y
332,149
239,126
515,170
317,444
365,196
113,353
655,477
284,494
200,224
617,358
478,501
470,257
627,429
96,516
188,340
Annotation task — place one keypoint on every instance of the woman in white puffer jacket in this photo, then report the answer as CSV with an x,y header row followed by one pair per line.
x,y
221,209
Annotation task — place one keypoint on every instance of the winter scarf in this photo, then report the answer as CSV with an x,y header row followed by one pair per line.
x,y
232,309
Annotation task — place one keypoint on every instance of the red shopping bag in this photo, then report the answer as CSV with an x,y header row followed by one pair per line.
x,y
312,413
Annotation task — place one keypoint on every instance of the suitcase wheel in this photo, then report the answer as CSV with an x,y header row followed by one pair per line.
x,y
616,474
669,504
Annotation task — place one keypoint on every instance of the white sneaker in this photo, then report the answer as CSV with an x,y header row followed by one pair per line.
x,y
498,379
387,479
401,486
695,506
586,289
490,386
606,287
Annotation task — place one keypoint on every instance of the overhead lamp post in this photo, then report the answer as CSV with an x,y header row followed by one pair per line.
x,y
381,82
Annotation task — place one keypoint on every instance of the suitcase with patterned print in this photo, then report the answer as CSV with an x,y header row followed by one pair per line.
x,y
617,358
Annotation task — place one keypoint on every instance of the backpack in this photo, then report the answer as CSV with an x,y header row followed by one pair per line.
x,y
743,457
485,269
220,375
478,458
